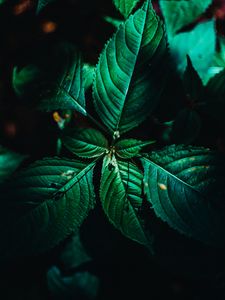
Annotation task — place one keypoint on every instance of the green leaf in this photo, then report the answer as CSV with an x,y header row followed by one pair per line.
x,y
88,75
199,44
128,148
192,82
55,77
86,142
179,13
9,162
219,59
70,278
23,78
114,22
121,197
131,72
43,204
42,4
125,6
186,127
185,186
215,97
67,90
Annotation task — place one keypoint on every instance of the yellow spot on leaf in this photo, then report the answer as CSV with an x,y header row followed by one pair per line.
x,y
56,117
162,186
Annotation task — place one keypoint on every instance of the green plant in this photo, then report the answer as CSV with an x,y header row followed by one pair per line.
x,y
48,200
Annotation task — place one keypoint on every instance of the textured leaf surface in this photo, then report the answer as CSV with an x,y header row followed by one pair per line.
x,y
9,162
130,74
179,13
128,148
199,44
67,90
54,77
121,197
185,186
86,142
43,204
125,6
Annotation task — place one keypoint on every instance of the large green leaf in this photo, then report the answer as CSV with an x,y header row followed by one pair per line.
x,y
125,6
128,148
121,197
199,44
185,186
43,204
130,74
179,13
9,162
86,142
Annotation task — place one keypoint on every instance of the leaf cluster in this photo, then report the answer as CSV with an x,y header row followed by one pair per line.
x,y
104,160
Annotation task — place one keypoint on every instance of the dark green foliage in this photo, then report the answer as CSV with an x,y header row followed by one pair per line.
x,y
110,139
127,73
45,202
180,182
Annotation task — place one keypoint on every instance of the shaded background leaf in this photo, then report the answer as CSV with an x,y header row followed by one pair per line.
x,y
199,44
179,13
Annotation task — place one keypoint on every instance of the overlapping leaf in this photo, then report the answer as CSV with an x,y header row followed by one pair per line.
x,y
131,71
179,13
43,204
54,77
128,148
199,44
192,83
125,6
185,186
121,197
86,143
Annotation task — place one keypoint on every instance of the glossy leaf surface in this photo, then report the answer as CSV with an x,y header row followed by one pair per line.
x,y
86,142
45,203
130,74
185,186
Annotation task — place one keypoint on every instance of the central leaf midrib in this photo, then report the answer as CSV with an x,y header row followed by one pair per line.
x,y
130,202
172,175
134,66
76,178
